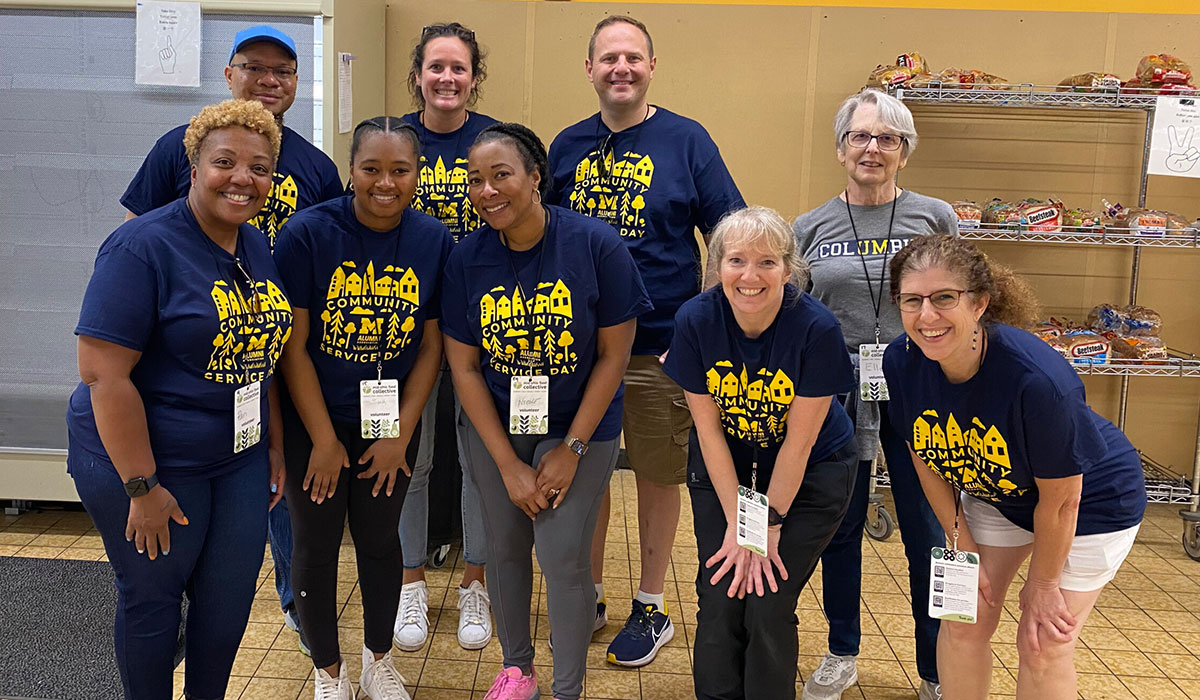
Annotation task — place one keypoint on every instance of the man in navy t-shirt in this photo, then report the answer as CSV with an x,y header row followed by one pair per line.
x,y
262,66
655,176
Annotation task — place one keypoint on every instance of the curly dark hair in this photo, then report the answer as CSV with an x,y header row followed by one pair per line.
x,y
437,31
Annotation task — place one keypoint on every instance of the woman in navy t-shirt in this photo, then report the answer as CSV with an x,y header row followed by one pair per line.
x,y
998,423
364,272
181,326
539,310
761,363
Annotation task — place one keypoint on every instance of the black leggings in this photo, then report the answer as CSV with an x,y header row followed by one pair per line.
x,y
317,530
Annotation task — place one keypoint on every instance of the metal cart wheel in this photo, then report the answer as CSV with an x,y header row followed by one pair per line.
x,y
1191,539
882,525
438,557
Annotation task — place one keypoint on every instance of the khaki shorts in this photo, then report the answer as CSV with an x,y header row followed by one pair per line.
x,y
656,422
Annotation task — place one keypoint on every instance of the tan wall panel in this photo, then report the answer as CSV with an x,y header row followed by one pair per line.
x,y
359,30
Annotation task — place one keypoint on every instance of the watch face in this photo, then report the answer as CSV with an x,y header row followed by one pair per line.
x,y
135,488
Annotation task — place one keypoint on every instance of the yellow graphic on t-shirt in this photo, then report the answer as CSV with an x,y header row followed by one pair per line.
x,y
614,190
251,334
753,408
442,194
279,207
977,459
369,318
523,338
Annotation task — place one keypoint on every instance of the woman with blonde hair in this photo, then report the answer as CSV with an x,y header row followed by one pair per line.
x,y
761,363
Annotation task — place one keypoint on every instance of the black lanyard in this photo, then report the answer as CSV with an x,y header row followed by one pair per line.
x,y
248,273
602,146
876,298
745,386
527,300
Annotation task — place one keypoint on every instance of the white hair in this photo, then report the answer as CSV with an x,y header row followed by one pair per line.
x,y
894,113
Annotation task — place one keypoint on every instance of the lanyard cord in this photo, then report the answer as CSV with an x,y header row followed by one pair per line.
x,y
745,389
602,146
362,249
527,300
237,260
876,299
958,488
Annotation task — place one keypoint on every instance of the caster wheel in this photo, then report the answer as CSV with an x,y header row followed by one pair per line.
x,y
882,526
1191,540
437,558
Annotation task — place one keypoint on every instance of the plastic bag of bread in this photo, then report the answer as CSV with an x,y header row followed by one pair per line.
x,y
889,76
975,79
1143,350
1086,348
1137,87
1041,216
1149,222
1002,215
1141,321
1163,68
1105,318
1089,82
1082,221
969,214
1045,330
913,61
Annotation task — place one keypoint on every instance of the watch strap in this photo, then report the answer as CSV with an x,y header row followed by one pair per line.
x,y
140,485
574,444
774,517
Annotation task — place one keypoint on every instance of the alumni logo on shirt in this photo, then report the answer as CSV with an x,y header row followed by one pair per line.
x,y
368,317
248,343
753,408
614,191
279,207
442,194
976,459
522,337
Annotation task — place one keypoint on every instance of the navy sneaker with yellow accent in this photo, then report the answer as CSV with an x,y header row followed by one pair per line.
x,y
645,632
601,621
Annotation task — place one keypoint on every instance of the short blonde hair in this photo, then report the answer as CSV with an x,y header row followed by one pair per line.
x,y
756,225
248,113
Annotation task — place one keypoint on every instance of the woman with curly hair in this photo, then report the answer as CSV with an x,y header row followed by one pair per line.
x,y
1013,461
182,323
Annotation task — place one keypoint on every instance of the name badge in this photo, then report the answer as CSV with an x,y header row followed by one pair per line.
x,y
752,520
247,416
529,405
379,408
953,585
872,386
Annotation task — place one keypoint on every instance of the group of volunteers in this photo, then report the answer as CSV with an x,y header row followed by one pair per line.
x,y
561,290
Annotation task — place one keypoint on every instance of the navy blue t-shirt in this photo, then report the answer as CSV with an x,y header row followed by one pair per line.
x,y
164,288
753,380
303,177
659,180
443,190
368,294
1022,416
588,281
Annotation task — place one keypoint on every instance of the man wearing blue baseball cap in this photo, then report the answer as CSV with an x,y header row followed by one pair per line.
x,y
262,66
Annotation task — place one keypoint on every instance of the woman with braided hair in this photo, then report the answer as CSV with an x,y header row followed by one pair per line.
x,y
539,309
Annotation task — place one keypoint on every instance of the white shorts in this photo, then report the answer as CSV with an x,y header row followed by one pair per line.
x,y
1092,562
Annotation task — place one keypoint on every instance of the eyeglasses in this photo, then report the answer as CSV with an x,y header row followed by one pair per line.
x,y
944,299
255,304
446,30
887,142
601,160
283,73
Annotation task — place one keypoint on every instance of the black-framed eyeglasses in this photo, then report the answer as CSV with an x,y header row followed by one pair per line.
x,y
944,299
255,304
283,73
446,30
601,155
887,142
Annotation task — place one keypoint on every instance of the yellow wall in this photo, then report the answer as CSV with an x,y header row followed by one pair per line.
x,y
766,81
356,28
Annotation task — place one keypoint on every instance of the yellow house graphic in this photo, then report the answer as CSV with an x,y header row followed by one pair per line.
x,y
781,388
287,192
995,449
409,287
643,171
560,299
714,380
487,309
729,385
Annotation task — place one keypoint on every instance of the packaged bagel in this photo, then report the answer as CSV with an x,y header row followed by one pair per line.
x,y
969,215
1163,68
1090,82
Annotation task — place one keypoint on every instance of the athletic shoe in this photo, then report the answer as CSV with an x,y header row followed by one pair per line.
x,y
292,619
474,616
601,621
929,691
645,632
832,677
511,685
412,617
380,679
330,688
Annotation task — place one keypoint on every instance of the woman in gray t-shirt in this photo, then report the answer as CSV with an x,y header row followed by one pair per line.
x,y
848,241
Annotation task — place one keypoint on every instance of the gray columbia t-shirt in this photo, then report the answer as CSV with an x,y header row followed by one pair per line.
x,y
827,242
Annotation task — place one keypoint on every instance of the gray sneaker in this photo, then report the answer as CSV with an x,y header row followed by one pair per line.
x,y
832,677
929,691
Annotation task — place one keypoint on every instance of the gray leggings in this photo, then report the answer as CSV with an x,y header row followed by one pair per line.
x,y
564,541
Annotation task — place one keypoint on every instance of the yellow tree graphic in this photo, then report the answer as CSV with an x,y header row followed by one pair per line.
x,y
393,327
408,326
565,339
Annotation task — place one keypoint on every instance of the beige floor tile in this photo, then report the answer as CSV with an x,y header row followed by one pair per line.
x,y
247,660
261,635
1177,666
668,686
1096,686
1189,687
1153,688
621,684
442,673
1155,641
39,552
1128,663
272,689
878,672
291,665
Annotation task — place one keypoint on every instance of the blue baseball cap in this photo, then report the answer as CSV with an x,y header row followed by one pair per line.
x,y
263,33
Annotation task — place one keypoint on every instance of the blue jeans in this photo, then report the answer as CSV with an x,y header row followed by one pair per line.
x,y
214,560
841,564
279,532
414,519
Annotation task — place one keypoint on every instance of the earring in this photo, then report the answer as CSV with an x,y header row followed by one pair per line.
x,y
537,196
906,348
350,187
975,339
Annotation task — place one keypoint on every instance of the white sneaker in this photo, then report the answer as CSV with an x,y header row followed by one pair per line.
x,y
832,677
929,691
474,616
330,688
380,679
412,617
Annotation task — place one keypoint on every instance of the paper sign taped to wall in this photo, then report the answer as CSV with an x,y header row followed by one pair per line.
x,y
1175,139
168,43
345,66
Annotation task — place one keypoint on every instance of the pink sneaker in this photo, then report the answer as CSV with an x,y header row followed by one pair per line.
x,y
511,685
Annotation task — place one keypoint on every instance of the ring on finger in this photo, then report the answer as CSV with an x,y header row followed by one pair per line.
x,y
552,493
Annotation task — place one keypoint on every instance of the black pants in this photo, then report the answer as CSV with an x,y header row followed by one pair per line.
x,y
318,536
747,649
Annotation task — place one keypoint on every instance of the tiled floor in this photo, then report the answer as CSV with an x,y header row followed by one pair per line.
x,y
1143,641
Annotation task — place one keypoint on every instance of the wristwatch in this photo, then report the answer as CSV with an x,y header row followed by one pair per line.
x,y
574,444
140,485
773,517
